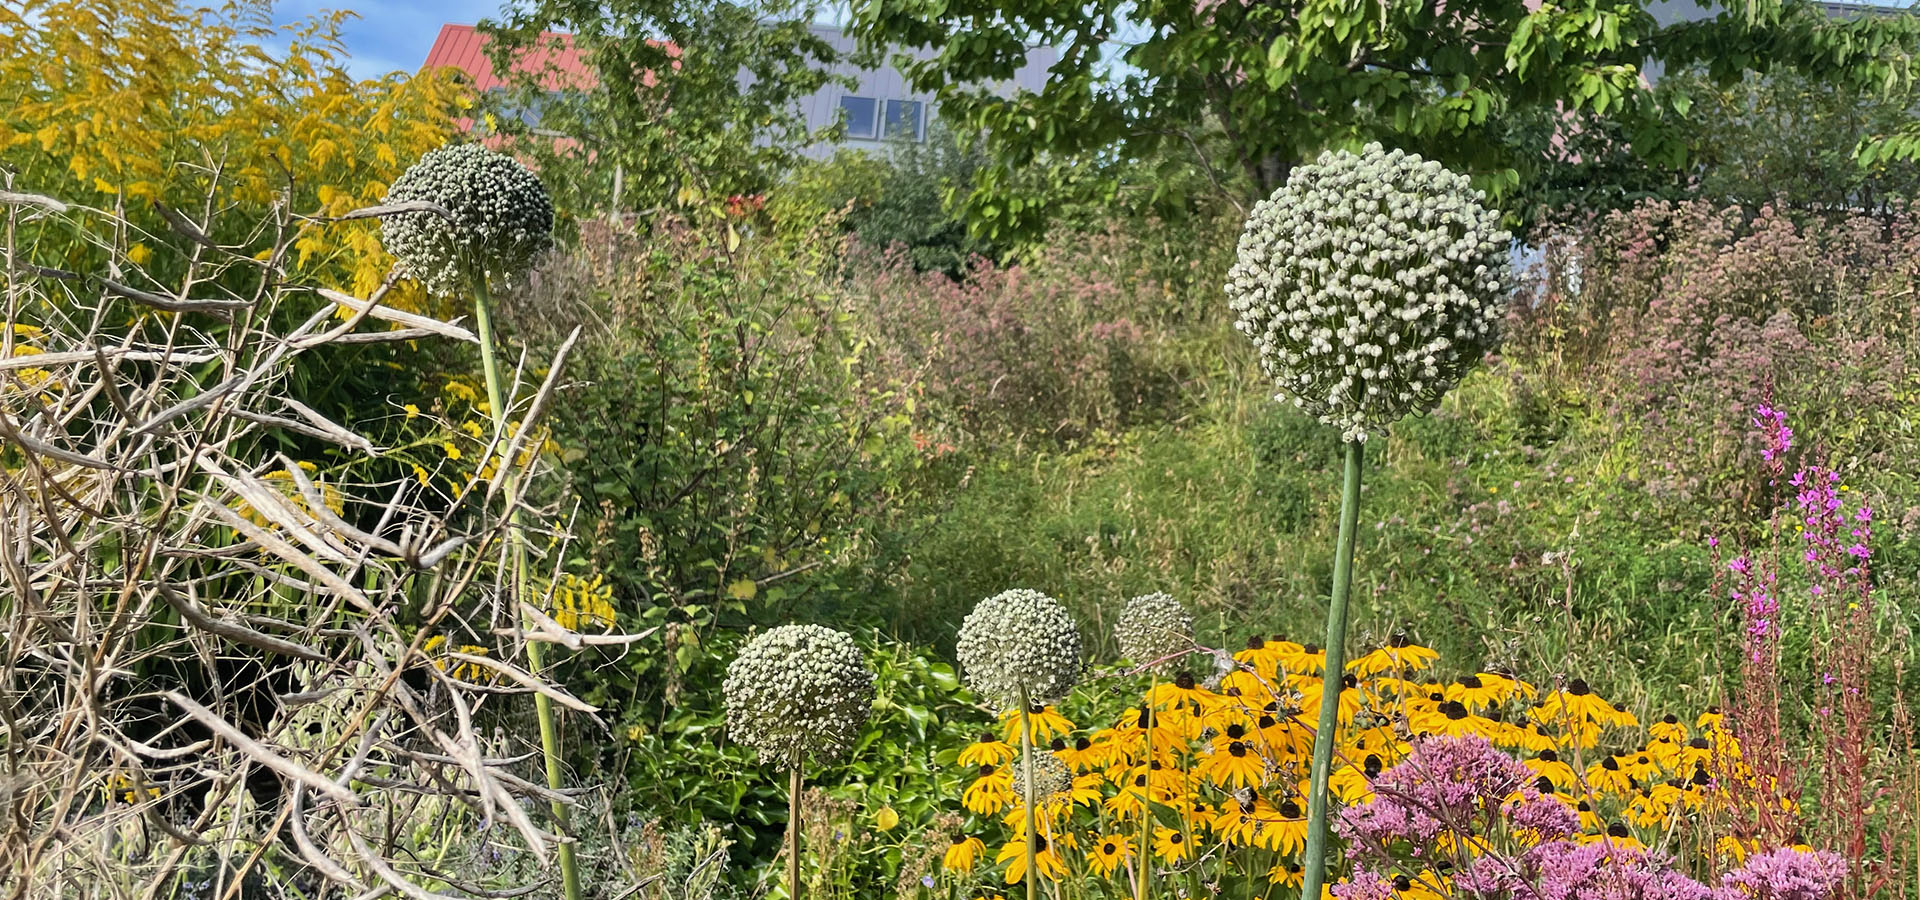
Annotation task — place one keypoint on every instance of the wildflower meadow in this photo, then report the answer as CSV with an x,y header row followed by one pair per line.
x,y
700,450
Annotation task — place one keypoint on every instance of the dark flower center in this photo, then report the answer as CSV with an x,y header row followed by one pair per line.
x,y
1471,682
1058,744
1578,688
1237,748
1236,731
1183,681
1289,809
986,770
1109,849
1549,756
1256,642
1610,764
1617,830
1398,640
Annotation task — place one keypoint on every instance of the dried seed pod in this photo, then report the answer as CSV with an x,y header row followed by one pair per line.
x,y
1154,626
1370,284
502,219
1050,776
799,692
1020,642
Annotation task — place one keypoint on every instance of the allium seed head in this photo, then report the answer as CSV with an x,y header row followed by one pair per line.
x,y
502,219
799,691
1020,642
1154,626
1370,284
1050,776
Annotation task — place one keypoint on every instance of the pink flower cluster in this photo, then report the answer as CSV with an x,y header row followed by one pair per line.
x,y
1465,785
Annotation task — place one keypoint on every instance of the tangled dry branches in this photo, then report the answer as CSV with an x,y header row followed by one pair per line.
x,y
222,670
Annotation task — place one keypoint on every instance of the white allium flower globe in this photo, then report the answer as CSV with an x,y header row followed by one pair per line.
x,y
1370,284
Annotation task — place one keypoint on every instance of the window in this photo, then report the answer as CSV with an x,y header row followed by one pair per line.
x,y
903,117
863,116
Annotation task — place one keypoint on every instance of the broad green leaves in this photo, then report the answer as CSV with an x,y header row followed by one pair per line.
x,y
1239,92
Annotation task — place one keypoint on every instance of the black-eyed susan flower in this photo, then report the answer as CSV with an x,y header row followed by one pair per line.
x,y
1574,704
1400,655
1182,692
962,853
1301,659
990,792
1107,853
1046,859
1352,784
1261,658
1044,722
1285,873
1607,776
1350,701
1550,766
1711,720
1080,754
1670,728
1479,693
1171,845
1232,763
987,751
1283,829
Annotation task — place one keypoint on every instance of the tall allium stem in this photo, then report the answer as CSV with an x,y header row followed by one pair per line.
x,y
1331,678
793,830
543,708
1026,766
1146,800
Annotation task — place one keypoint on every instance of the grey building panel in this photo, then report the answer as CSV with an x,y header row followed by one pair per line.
x,y
887,83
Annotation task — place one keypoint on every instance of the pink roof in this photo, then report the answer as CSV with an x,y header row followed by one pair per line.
x,y
561,65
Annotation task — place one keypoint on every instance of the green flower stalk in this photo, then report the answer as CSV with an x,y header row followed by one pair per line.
x,y
1152,631
1370,283
499,220
1019,648
798,693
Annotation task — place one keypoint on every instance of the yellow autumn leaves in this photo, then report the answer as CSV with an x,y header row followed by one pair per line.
x,y
107,102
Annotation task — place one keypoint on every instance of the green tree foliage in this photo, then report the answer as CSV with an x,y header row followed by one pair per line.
x,y
1789,140
693,101
911,207
1247,91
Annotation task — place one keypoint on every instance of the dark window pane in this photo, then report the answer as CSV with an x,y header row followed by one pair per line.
x,y
903,117
862,115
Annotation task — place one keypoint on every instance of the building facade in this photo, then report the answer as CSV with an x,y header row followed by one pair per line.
x,y
879,107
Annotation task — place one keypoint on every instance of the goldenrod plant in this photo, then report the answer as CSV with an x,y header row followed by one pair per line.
x,y
133,103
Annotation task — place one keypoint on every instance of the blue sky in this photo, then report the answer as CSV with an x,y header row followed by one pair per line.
x,y
391,34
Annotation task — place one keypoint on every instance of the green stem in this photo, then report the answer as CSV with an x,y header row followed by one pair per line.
x,y
1330,679
543,708
1026,764
1146,800
793,831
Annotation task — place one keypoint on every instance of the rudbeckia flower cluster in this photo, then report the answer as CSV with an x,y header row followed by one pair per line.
x,y
1540,770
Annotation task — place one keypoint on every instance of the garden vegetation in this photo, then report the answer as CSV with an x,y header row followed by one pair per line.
x,y
387,510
